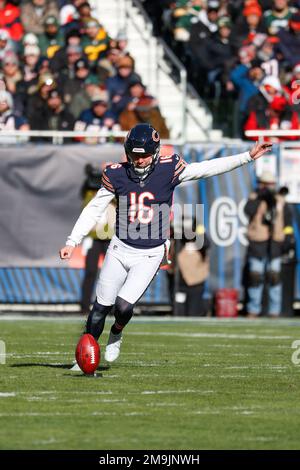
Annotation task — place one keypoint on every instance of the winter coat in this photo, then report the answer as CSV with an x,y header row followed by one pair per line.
x,y
34,23
10,20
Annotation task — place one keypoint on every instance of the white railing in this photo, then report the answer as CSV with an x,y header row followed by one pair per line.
x,y
272,133
101,136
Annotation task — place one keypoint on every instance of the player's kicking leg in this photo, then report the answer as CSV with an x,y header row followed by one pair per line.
x,y
112,277
142,269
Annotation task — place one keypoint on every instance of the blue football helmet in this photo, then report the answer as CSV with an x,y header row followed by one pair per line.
x,y
142,140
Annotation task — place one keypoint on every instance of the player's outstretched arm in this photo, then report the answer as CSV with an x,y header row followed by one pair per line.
x,y
217,166
88,218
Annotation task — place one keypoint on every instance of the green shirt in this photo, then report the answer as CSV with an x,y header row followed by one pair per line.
x,y
49,46
275,22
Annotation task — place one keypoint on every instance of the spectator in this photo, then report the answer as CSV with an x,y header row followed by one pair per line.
x,y
74,89
268,57
217,53
246,78
289,41
250,25
118,85
122,42
92,85
29,78
142,108
270,235
34,14
202,29
77,3
184,16
37,101
96,41
10,20
52,40
43,66
107,67
5,43
60,59
209,15
8,119
68,18
74,53
270,109
85,12
278,17
200,32
11,71
29,39
31,58
56,117
97,117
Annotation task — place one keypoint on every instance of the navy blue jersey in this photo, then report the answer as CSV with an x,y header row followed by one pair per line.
x,y
88,118
144,206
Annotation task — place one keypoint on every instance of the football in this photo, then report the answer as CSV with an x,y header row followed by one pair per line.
x,y
88,354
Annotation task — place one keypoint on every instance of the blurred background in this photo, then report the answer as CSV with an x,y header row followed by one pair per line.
x,y
212,77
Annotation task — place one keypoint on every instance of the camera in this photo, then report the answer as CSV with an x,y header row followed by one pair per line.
x,y
93,177
268,196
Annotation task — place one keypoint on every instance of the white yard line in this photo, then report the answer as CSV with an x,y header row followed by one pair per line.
x,y
206,335
160,392
163,319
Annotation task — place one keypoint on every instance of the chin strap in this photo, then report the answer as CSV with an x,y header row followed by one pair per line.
x,y
143,172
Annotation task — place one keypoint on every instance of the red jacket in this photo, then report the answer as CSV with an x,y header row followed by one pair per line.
x,y
10,20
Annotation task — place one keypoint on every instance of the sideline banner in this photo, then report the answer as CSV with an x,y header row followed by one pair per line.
x,y
40,198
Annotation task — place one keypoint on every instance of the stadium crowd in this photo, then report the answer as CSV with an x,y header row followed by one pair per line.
x,y
60,70
241,55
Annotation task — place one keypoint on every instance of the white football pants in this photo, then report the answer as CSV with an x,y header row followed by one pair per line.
x,y
127,272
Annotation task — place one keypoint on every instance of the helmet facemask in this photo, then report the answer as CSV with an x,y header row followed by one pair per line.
x,y
142,171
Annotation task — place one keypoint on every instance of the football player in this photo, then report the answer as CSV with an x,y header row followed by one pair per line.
x,y
143,187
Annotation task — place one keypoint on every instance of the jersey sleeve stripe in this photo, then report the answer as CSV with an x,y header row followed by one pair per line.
x,y
107,184
179,170
106,179
109,188
181,162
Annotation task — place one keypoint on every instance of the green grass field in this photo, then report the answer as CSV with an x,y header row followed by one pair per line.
x,y
191,384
